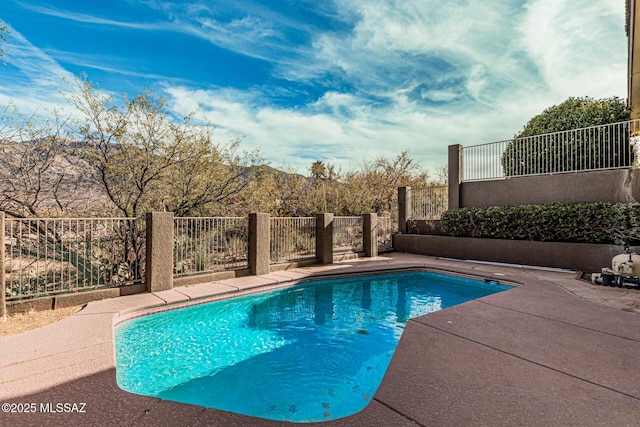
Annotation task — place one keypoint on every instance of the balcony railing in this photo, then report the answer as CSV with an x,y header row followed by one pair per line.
x,y
597,147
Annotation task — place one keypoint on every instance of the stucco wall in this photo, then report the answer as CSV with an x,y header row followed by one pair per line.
x,y
583,257
616,186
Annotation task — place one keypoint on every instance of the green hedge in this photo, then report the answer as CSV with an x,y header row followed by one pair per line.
x,y
558,222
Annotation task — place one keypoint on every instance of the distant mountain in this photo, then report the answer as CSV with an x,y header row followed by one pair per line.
x,y
44,176
51,177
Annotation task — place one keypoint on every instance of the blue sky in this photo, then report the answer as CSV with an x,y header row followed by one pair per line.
x,y
340,81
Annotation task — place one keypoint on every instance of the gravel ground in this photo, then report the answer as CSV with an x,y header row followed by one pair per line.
x,y
25,322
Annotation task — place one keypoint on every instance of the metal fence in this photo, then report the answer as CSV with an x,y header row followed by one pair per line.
x,y
47,256
206,245
597,147
385,231
292,239
347,234
429,203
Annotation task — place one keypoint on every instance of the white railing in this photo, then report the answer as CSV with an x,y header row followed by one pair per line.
x,y
597,147
48,256
292,239
347,234
429,203
385,231
206,245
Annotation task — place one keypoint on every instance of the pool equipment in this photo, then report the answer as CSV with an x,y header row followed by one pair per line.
x,y
624,271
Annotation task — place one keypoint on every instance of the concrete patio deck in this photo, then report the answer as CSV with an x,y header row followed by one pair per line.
x,y
555,351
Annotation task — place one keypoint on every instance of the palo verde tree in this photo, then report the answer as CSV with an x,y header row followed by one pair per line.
x,y
143,159
42,175
591,146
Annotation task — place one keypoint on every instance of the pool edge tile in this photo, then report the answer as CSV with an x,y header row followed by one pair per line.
x,y
205,290
249,282
172,296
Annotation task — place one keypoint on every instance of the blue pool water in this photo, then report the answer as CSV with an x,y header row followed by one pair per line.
x,y
316,351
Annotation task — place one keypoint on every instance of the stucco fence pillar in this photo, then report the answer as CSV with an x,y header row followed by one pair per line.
x,y
324,238
404,208
259,243
159,245
455,175
370,234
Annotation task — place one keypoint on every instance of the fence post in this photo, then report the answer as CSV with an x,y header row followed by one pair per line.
x,y
455,175
404,208
159,257
3,295
259,244
324,238
370,234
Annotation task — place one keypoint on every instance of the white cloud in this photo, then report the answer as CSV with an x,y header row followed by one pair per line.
x,y
396,74
577,45
564,47
297,138
484,69
92,19
413,41
31,80
284,136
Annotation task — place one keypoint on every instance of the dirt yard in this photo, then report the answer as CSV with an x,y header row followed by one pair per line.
x,y
25,322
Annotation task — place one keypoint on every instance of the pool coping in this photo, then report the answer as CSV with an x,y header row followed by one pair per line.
x,y
72,361
124,317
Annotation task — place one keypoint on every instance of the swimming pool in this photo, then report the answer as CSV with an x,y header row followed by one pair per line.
x,y
312,352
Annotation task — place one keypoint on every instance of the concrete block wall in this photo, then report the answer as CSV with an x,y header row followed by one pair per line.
x,y
584,257
424,237
608,185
